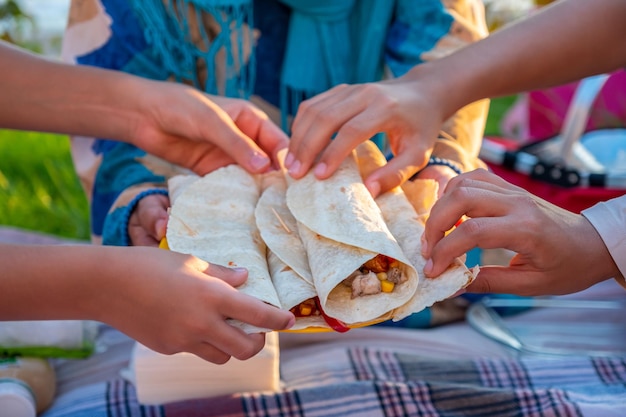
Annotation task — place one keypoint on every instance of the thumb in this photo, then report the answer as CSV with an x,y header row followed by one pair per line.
x,y
232,276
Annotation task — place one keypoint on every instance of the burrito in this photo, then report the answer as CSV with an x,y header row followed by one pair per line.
x,y
289,261
325,250
286,257
405,219
358,268
212,218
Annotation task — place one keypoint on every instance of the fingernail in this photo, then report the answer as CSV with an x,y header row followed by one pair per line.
x,y
292,321
289,159
295,168
259,162
428,268
320,169
374,189
239,270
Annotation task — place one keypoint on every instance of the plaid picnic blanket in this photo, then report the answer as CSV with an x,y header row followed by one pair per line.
x,y
363,381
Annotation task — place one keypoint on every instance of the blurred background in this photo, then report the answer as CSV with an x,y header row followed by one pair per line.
x,y
38,188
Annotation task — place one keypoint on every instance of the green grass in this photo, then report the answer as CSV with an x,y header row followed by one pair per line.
x,y
39,189
498,107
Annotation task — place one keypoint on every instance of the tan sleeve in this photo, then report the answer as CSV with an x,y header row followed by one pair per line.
x,y
463,133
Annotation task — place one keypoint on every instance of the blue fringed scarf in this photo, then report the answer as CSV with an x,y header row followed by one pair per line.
x,y
332,42
179,36
329,42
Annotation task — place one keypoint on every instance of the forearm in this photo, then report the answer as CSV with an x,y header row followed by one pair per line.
x,y
57,282
566,41
44,95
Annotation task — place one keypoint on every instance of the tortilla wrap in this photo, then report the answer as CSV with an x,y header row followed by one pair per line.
x,y
286,256
341,228
407,226
212,218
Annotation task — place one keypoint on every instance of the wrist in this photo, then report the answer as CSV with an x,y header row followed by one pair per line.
x,y
444,82
442,162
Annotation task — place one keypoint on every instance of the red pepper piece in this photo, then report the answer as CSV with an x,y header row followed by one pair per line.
x,y
336,325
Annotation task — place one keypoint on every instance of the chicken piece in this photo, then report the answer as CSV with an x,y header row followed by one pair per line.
x,y
396,276
367,284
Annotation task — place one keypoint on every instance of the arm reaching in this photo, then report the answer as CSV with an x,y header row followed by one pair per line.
x,y
168,301
172,121
563,42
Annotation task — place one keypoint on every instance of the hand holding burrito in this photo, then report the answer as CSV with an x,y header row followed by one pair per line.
x,y
212,217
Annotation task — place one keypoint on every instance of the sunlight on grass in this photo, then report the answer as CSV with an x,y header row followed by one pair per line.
x,y
39,189
497,109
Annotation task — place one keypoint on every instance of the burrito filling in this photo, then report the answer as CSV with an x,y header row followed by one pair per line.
x,y
379,274
312,307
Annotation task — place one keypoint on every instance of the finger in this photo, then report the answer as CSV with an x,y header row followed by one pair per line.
x,y
235,342
463,197
481,232
316,128
232,276
152,211
305,116
397,171
349,137
253,311
210,353
241,306
256,125
481,178
506,280
225,134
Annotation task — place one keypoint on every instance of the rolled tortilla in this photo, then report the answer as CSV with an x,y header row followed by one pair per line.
x,y
342,228
407,226
286,256
212,217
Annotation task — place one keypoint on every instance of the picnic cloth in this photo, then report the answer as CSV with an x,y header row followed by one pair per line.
x,y
450,370
446,371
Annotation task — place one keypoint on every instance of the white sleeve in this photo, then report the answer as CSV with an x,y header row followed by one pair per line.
x,y
609,219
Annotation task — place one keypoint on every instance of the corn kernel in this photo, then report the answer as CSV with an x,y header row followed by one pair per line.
x,y
382,276
387,286
163,244
305,310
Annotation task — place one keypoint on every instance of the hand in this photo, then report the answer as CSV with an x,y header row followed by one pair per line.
x,y
404,112
440,173
202,132
557,251
147,224
178,303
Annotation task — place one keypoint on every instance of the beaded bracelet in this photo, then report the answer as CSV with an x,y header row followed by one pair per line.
x,y
444,162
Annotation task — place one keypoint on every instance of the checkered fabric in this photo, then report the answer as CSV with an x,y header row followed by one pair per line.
x,y
359,381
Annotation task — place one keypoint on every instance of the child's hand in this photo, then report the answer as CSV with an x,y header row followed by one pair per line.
x,y
147,224
173,303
